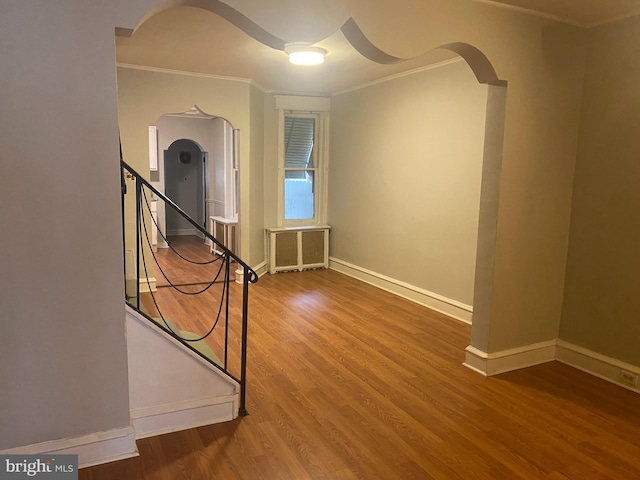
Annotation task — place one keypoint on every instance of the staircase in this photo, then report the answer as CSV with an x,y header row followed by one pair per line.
x,y
186,340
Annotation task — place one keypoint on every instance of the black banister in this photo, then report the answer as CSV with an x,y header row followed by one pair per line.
x,y
138,240
226,327
253,275
188,339
243,356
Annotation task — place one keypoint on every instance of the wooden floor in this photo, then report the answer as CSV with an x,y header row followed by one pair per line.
x,y
197,313
179,271
346,381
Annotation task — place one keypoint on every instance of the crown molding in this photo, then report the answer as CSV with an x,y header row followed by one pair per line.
x,y
147,68
395,76
555,18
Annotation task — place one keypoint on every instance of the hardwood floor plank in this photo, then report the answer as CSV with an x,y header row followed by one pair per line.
x,y
349,382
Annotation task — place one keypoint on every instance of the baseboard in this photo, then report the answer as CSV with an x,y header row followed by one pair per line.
x,y
260,270
489,364
92,449
593,363
147,284
434,301
178,232
240,275
158,420
596,364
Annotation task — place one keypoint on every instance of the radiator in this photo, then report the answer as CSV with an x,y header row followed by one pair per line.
x,y
298,248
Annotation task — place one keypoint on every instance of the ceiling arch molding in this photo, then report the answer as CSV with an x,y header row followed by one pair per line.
x,y
221,9
479,63
356,38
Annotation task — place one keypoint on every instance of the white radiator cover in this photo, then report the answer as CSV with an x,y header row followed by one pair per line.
x,y
298,248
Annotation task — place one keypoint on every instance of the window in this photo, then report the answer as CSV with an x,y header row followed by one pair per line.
x,y
300,167
302,151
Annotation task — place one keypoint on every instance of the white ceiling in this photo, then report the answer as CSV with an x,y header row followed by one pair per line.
x,y
195,40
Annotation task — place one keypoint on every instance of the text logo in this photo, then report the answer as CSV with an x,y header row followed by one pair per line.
x,y
46,467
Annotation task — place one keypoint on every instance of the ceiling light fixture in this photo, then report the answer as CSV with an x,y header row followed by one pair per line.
x,y
304,54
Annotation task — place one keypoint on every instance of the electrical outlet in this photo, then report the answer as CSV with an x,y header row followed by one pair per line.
x,y
628,378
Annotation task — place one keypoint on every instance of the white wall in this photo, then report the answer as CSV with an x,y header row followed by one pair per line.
x,y
404,184
222,169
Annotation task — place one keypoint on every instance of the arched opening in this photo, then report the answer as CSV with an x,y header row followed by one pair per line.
x,y
489,199
489,192
184,183
215,189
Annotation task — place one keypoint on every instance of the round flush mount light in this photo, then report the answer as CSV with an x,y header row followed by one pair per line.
x,y
304,54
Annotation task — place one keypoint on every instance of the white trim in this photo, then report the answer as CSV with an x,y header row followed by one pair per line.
x,y
476,360
298,93
489,364
528,11
239,275
614,19
153,148
593,363
302,103
281,153
144,286
148,287
161,419
395,76
187,73
178,232
596,364
556,18
434,301
261,268
93,449
317,108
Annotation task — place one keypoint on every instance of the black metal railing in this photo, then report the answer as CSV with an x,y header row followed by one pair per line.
x,y
226,329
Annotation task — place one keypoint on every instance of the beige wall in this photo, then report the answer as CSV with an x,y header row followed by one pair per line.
x,y
143,96
270,161
404,178
256,178
543,63
603,270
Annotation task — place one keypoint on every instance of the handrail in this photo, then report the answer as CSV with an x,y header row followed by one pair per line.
x,y
252,273
249,276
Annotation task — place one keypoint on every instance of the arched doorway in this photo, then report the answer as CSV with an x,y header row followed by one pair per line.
x,y
213,141
185,175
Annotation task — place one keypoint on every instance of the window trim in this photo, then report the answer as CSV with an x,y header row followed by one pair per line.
x,y
321,114
315,161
